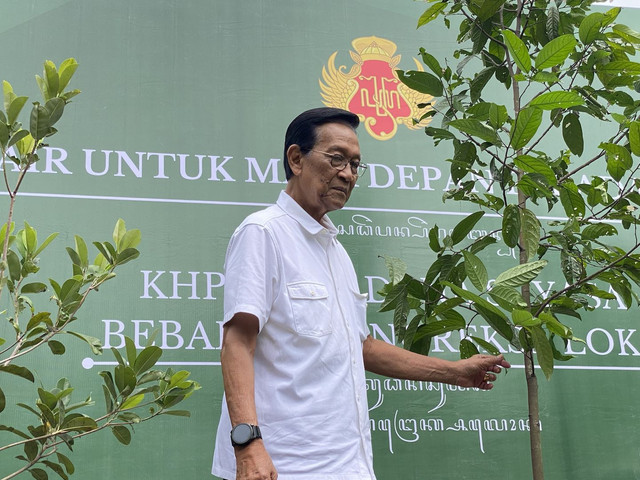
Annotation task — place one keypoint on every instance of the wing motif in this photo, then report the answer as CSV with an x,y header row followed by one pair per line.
x,y
338,87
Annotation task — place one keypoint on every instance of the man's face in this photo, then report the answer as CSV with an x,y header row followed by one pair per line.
x,y
321,188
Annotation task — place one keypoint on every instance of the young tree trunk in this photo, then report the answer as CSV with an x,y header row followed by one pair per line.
x,y
534,416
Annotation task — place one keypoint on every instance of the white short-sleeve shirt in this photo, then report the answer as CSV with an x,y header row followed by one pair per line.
x,y
292,273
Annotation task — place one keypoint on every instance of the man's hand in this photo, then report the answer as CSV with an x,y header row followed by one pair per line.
x,y
254,463
480,371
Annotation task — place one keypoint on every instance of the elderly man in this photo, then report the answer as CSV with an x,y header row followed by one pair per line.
x,y
296,343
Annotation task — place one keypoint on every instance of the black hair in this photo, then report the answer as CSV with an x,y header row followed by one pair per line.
x,y
302,130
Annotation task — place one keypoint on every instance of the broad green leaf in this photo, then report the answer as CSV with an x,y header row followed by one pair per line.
x,y
14,265
530,164
511,224
634,137
571,200
479,82
556,52
147,359
177,413
434,242
526,126
44,244
493,316
461,230
467,349
530,233
553,100
3,400
39,123
15,108
396,267
489,8
507,297
18,371
80,424
131,350
8,95
51,77
132,402
627,33
431,62
67,69
597,230
131,239
18,137
620,66
38,473
64,460
431,13
35,287
125,379
553,20
554,326
476,129
544,351
126,256
518,50
524,318
590,27
422,82
119,232
4,135
520,274
55,108
572,133
489,347
439,327
571,267
56,468
497,115
57,348
476,271
94,343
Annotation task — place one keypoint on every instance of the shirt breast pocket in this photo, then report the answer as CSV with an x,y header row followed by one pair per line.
x,y
310,308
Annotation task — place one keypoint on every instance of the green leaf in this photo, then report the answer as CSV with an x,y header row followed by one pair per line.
x,y
125,379
44,244
434,242
518,50
132,401
530,233
94,343
520,274
526,126
15,108
131,239
467,349
544,351
461,230
396,267
511,224
553,100
177,413
126,256
597,230
431,13
572,133
571,200
620,66
39,123
56,468
634,137
507,297
118,233
439,327
57,348
489,347
55,109
524,318
64,460
51,77
422,82
476,271
122,434
35,287
67,69
4,135
38,473
18,371
80,424
3,400
147,359
475,128
556,52
493,316
590,27
431,62
130,348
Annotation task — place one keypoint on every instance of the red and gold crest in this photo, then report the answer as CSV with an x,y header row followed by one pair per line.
x,y
371,89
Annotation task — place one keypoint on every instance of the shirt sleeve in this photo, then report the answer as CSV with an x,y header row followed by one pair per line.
x,y
251,273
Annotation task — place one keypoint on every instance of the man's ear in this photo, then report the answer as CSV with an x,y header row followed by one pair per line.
x,y
294,157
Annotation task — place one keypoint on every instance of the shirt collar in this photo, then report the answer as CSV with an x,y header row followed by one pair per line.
x,y
294,210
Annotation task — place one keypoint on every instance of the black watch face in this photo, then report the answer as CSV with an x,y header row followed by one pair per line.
x,y
241,434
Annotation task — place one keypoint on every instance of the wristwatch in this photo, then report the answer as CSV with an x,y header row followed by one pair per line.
x,y
244,433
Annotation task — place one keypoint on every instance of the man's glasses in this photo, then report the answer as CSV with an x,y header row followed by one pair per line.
x,y
339,162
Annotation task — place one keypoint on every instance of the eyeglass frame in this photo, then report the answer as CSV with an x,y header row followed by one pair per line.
x,y
346,161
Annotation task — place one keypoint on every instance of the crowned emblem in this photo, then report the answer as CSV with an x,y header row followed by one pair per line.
x,y
371,89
